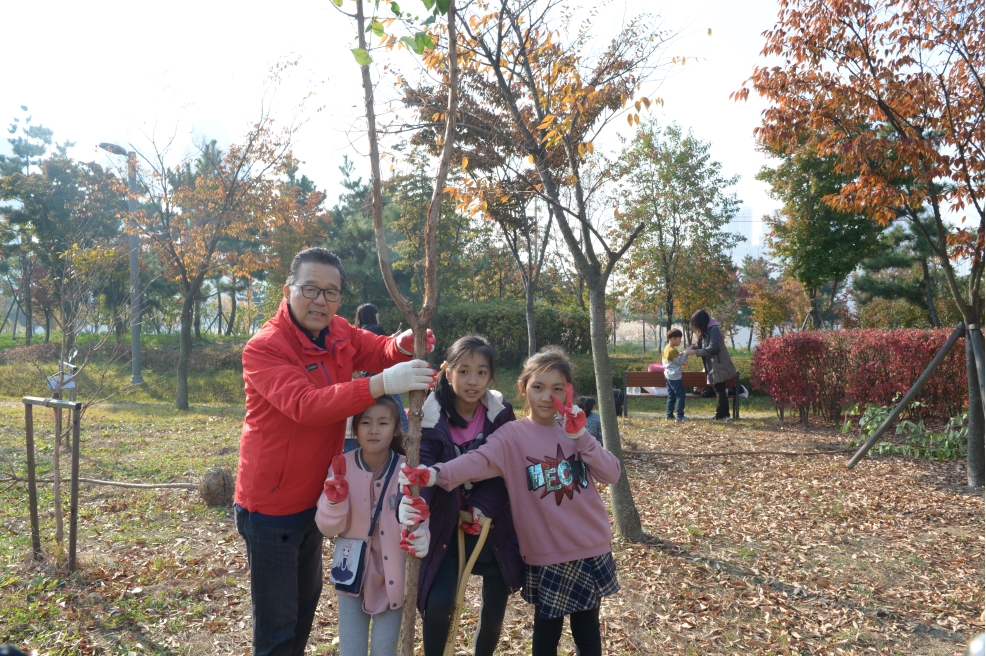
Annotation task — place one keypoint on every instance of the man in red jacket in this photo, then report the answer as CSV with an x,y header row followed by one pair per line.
x,y
298,375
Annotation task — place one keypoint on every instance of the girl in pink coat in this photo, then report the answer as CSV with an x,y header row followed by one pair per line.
x,y
351,494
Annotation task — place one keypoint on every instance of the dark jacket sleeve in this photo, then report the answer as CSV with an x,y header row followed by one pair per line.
x,y
711,343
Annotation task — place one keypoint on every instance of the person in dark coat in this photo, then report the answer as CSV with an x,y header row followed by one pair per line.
x,y
719,368
458,417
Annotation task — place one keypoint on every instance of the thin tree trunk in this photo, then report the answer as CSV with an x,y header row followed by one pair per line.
x,y
749,341
643,334
929,294
231,323
28,309
532,346
975,465
625,513
185,349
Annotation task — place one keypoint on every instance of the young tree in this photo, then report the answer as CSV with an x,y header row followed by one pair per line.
x,y
817,243
417,320
548,99
197,204
677,190
915,69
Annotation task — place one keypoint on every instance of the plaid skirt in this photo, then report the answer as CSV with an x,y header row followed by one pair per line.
x,y
557,590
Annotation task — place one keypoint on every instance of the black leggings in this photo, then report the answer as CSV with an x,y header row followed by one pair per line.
x,y
441,597
722,406
585,633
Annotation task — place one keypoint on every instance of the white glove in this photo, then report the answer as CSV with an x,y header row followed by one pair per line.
x,y
407,376
420,475
412,510
416,542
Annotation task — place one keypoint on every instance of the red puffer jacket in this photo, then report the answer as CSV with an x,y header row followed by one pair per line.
x,y
298,397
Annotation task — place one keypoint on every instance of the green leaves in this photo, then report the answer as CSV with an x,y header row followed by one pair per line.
x,y
362,56
419,43
376,27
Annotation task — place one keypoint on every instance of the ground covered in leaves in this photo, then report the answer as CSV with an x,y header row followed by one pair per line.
x,y
745,554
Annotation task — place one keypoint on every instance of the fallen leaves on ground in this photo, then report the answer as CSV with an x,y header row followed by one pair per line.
x,y
755,554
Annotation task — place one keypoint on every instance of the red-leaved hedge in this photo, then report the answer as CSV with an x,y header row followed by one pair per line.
x,y
831,371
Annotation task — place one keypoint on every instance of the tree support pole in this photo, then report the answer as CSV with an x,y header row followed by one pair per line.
x,y
911,393
32,486
73,522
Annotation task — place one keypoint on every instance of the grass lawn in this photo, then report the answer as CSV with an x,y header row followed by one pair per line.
x,y
754,554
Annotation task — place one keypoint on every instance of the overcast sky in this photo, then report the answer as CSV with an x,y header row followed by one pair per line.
x,y
109,70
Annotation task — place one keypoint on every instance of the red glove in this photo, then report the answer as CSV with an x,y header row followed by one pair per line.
x,y
472,527
336,486
420,475
572,414
405,342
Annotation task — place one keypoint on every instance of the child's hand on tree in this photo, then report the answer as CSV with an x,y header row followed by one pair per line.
x,y
416,542
572,414
336,486
412,510
420,475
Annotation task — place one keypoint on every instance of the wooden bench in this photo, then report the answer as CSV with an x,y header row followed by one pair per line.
x,y
690,379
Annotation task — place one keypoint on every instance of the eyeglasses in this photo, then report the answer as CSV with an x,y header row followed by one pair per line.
x,y
311,291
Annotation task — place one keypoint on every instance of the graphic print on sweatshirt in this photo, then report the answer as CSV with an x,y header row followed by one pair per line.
x,y
561,475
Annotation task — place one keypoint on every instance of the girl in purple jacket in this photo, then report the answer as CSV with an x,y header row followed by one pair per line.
x,y
458,417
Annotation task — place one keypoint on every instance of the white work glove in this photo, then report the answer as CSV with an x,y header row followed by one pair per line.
x,y
416,542
420,475
407,376
412,510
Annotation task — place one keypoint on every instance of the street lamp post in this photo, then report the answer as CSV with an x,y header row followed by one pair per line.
x,y
135,304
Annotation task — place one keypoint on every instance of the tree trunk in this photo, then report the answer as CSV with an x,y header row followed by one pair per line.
x,y
48,324
219,310
625,514
185,349
929,295
816,318
232,310
532,345
749,341
643,334
975,466
197,319
17,317
28,309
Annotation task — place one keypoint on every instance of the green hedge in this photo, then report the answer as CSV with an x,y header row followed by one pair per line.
x,y
504,324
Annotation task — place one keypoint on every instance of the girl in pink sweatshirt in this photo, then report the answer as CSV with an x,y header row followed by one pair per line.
x,y
350,498
549,463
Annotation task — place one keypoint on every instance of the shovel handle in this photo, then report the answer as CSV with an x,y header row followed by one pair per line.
x,y
464,573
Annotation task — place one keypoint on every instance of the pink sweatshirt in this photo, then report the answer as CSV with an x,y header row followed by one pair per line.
x,y
558,514
383,581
